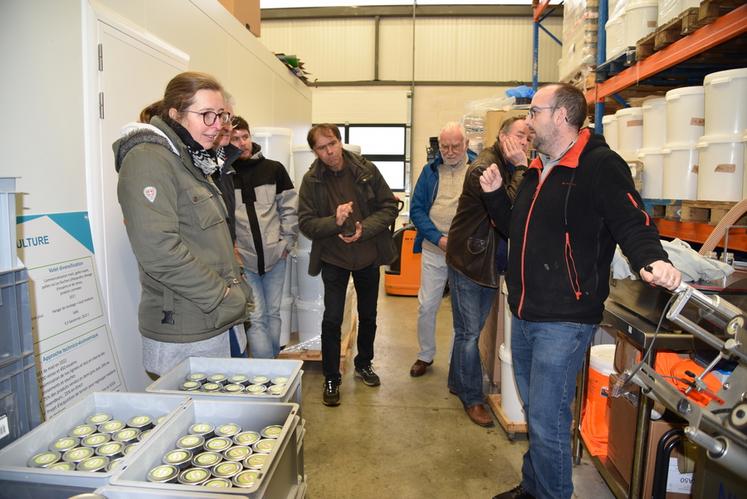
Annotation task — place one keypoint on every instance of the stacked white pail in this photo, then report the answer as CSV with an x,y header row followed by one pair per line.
x,y
685,120
309,292
654,137
721,148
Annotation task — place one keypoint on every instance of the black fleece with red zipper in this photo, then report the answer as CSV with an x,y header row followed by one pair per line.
x,y
563,230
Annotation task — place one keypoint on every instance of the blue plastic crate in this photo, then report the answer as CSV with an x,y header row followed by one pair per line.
x,y
20,410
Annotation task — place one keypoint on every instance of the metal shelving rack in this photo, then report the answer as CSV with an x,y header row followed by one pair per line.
x,y
539,12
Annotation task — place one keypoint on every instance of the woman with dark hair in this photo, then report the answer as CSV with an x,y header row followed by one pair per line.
x,y
192,290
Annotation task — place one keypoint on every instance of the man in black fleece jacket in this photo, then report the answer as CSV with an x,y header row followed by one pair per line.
x,y
576,202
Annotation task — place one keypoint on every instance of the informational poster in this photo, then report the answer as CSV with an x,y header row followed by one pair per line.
x,y
73,343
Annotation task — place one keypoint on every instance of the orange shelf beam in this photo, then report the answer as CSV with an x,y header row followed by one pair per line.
x,y
538,9
724,28
698,232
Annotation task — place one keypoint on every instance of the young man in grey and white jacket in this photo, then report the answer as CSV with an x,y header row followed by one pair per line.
x,y
266,229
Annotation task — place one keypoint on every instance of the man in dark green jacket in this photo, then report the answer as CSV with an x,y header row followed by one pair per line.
x,y
346,208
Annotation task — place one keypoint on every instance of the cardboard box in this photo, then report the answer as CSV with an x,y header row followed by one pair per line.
x,y
493,121
246,11
620,449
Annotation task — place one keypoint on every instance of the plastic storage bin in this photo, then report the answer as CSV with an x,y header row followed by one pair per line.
x,y
121,405
310,288
726,102
721,168
114,492
654,123
280,477
685,115
19,393
309,319
595,420
615,30
680,172
669,9
171,381
8,252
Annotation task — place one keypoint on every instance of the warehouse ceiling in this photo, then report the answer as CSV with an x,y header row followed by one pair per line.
x,y
285,4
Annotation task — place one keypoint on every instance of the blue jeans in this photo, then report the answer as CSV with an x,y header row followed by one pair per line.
x,y
547,357
264,333
470,305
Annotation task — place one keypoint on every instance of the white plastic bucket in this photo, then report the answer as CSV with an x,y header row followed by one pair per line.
x,y
309,319
685,115
602,359
303,157
721,168
629,131
726,102
654,123
680,172
286,308
669,9
510,400
609,130
639,19
352,148
506,316
615,30
653,172
310,288
275,143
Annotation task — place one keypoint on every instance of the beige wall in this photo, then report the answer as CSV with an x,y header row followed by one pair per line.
x,y
446,49
434,106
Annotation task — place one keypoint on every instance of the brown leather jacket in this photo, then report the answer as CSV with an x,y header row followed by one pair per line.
x,y
473,241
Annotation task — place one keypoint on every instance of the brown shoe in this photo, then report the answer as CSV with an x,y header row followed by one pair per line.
x,y
419,368
479,415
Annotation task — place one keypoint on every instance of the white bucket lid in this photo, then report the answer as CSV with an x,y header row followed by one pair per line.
x,y
722,138
608,118
641,4
632,111
614,21
649,151
652,103
679,92
265,131
728,74
602,359
677,146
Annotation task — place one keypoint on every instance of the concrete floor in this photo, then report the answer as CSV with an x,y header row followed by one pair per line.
x,y
408,438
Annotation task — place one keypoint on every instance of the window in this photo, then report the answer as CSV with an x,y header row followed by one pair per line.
x,y
385,146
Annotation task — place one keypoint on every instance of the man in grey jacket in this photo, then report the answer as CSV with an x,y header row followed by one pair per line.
x,y
266,229
346,208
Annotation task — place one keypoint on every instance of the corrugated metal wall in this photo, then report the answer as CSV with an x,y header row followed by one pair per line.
x,y
447,49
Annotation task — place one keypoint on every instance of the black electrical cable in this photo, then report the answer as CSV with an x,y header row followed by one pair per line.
x,y
649,349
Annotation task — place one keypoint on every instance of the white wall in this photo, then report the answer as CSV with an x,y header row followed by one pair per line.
x,y
42,56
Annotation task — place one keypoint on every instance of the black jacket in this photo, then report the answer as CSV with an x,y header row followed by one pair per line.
x,y
316,220
563,232
474,247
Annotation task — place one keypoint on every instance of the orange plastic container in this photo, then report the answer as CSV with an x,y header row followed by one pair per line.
x,y
595,418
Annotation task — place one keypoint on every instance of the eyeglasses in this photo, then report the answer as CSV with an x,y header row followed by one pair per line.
x,y
451,147
534,110
209,117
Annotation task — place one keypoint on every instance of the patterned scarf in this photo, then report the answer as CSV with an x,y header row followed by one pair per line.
x,y
202,158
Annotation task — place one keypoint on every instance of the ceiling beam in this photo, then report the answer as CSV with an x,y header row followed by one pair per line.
x,y
403,11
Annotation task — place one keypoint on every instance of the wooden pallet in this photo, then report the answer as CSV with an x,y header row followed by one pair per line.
x,y
663,208
710,212
512,428
346,350
684,24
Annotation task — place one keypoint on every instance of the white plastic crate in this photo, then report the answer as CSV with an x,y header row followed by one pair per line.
x,y
121,405
279,479
171,381
8,252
